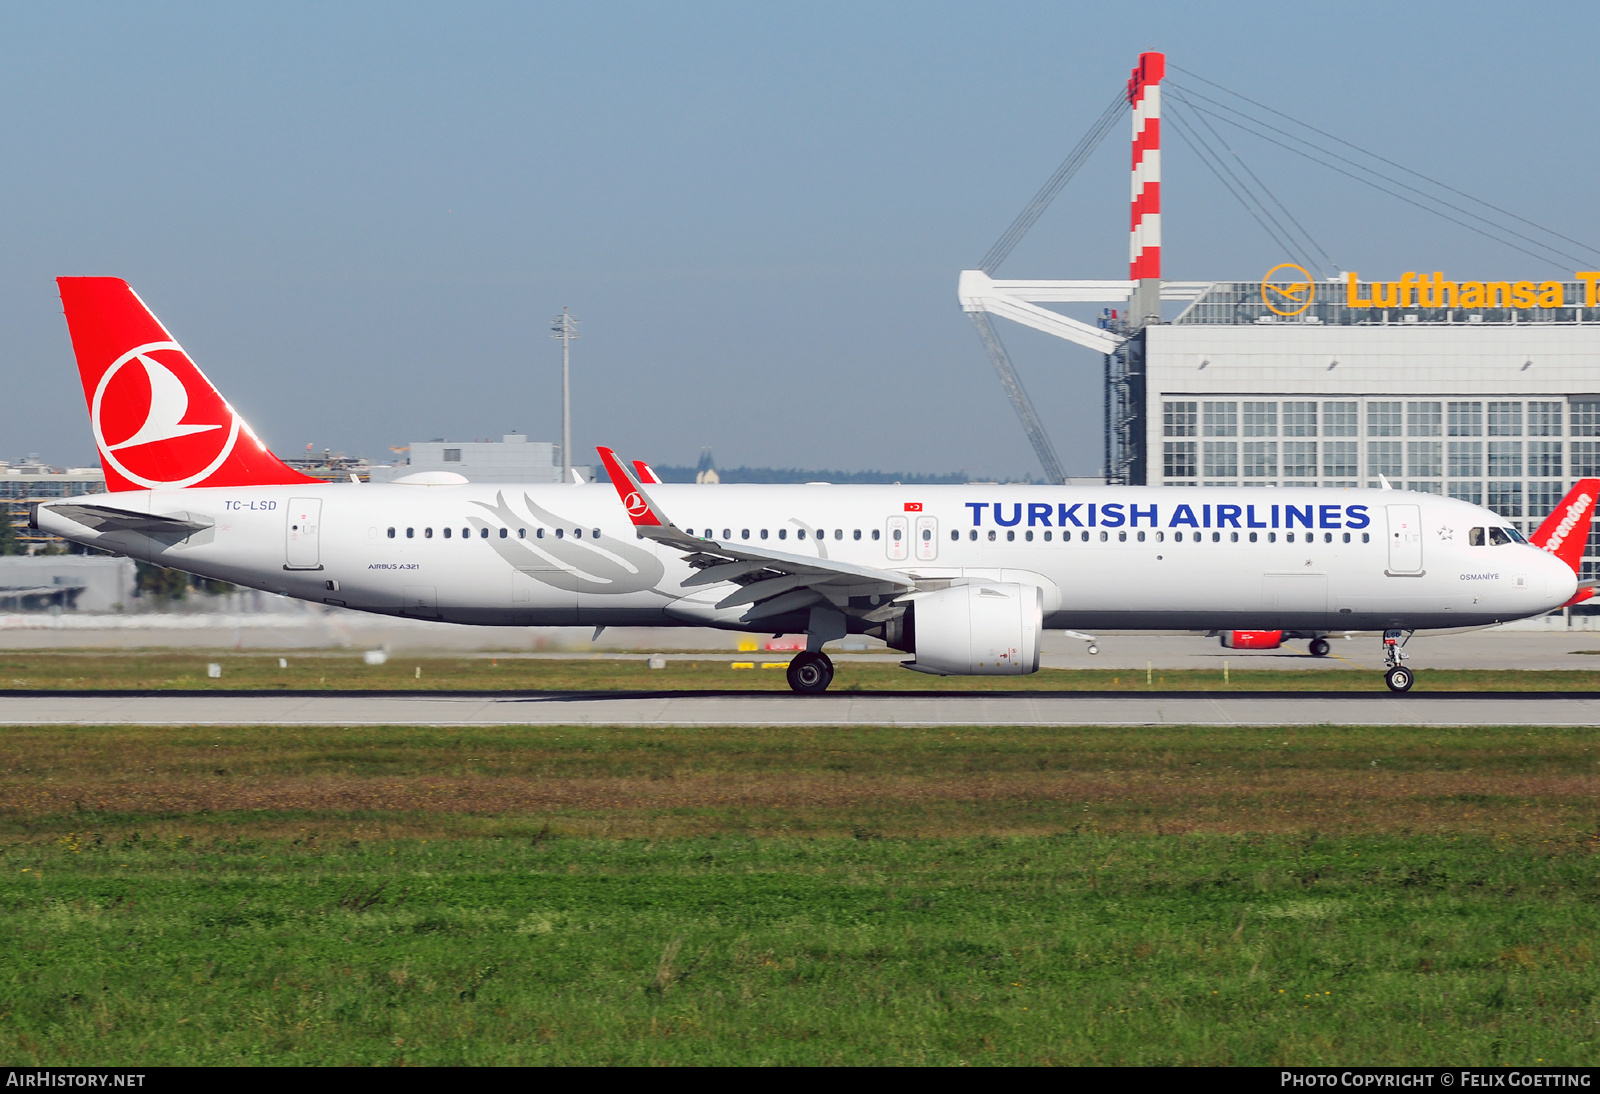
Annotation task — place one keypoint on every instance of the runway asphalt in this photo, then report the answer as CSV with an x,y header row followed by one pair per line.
x,y
779,710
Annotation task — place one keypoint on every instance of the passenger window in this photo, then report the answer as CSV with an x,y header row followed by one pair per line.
x,y
504,532
427,533
800,533
1047,537
1084,535
1327,537
483,533
1475,538
954,535
973,534
1252,537
1122,537
1498,537
991,535
857,534
1288,537
1104,536
896,535
391,533
1177,537
875,533
764,534
411,533
783,533
1366,537
1011,537
578,533
466,533
1272,537
727,533
1347,537
447,533
560,532
595,534
1160,537
744,533
1140,536
1216,537
538,533
927,535
1233,537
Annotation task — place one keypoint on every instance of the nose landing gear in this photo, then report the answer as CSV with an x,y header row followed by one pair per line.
x,y
1320,647
1398,677
810,673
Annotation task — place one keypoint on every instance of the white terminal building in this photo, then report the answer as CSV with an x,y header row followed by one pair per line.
x,y
1485,391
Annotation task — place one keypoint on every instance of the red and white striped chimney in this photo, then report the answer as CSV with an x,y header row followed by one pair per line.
x,y
1144,248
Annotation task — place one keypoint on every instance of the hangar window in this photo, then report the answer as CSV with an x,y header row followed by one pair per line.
x,y
1383,419
1544,419
1544,459
1339,419
1339,459
1260,419
391,533
1585,418
1424,459
452,455
1505,459
1299,459
1424,419
1505,419
1467,491
1179,419
1178,460
1221,419
1466,419
1505,498
1299,419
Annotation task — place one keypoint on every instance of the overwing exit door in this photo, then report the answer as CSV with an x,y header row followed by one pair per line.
x,y
302,529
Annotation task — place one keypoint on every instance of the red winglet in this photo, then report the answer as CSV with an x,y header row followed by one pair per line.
x,y
1565,531
647,474
157,421
640,511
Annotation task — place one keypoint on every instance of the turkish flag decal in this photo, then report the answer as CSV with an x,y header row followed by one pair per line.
x,y
913,507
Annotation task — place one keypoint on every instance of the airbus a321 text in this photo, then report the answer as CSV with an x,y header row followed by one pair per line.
x,y
965,579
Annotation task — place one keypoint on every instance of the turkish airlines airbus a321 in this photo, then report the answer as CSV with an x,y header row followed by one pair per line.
x,y
963,578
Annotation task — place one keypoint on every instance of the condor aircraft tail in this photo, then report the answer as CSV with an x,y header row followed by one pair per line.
x,y
157,421
1565,532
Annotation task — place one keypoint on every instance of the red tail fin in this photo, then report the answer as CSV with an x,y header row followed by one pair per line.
x,y
1565,531
647,474
157,420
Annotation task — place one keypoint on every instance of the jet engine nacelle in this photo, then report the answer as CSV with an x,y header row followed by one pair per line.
x,y
1252,640
991,628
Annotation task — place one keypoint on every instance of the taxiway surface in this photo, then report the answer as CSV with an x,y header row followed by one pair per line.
x,y
778,710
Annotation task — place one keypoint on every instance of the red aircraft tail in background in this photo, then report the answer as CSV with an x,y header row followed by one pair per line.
x,y
1565,532
158,422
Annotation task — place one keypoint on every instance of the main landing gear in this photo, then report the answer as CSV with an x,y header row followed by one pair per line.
x,y
810,673
1399,678
1320,647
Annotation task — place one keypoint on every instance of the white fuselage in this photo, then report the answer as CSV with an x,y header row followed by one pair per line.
x,y
1106,558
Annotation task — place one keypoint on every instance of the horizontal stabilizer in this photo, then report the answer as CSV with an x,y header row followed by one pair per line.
x,y
103,518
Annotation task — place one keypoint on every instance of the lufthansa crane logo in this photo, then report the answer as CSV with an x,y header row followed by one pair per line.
x,y
161,423
1287,289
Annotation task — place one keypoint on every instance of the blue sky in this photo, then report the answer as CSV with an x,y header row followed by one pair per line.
x,y
359,218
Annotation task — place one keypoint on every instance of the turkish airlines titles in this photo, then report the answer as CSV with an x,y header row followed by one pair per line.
x,y
1117,514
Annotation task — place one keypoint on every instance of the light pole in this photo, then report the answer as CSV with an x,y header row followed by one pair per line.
x,y
565,327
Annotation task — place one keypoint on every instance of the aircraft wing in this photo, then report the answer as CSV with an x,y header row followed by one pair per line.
x,y
104,518
771,582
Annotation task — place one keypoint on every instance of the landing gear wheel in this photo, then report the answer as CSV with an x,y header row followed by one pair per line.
x,y
810,673
1399,679
1093,649
1320,647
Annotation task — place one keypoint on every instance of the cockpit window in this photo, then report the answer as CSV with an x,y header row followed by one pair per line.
x,y
1516,536
1475,538
1498,537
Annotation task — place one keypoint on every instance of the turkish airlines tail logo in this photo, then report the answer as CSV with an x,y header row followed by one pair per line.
x,y
158,422
1565,532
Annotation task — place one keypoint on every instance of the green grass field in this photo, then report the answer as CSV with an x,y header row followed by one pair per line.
x,y
166,671
868,895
